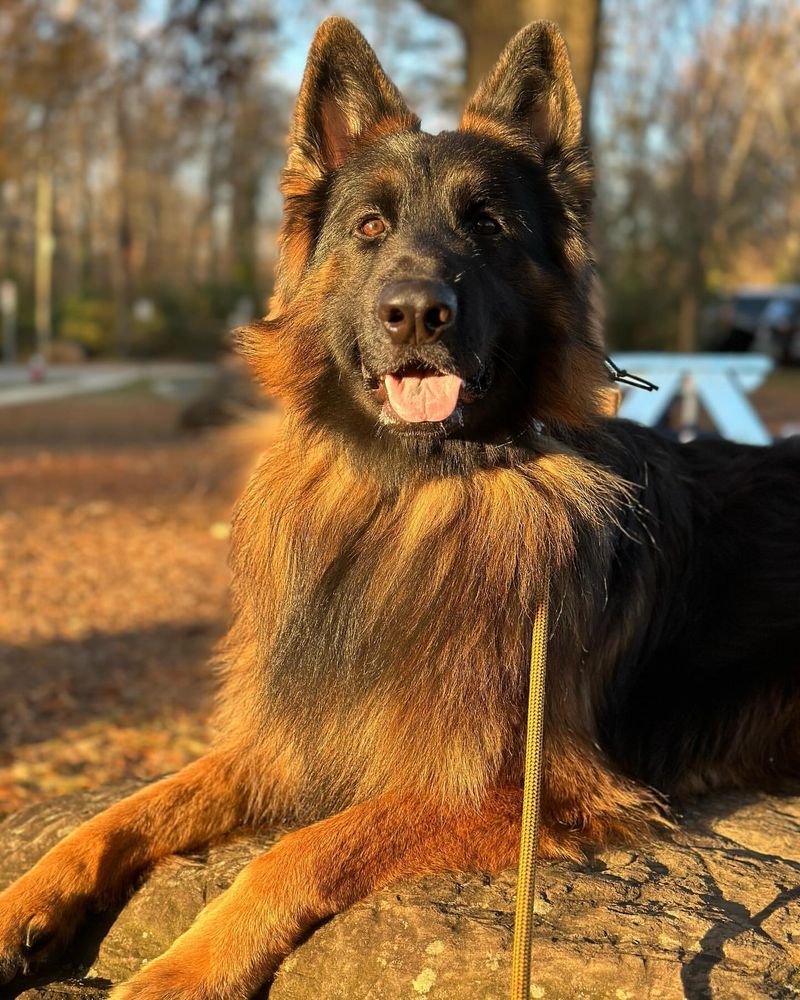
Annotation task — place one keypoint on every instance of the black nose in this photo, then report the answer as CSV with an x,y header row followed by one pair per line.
x,y
417,312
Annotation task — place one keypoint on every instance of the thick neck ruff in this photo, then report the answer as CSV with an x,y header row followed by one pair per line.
x,y
388,631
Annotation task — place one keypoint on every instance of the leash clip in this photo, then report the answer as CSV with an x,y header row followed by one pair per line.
x,y
628,378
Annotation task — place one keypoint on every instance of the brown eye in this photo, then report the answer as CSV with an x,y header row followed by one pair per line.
x,y
372,227
485,225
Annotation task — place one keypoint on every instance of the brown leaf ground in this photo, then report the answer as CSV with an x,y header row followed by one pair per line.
x,y
113,549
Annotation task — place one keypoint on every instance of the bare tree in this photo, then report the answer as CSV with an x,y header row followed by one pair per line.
x,y
487,26
699,169
155,137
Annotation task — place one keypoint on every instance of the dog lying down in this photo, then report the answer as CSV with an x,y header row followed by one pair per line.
x,y
445,457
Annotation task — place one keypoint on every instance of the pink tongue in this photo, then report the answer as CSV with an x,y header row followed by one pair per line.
x,y
429,397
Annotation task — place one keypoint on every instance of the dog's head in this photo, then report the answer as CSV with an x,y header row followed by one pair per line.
x,y
434,289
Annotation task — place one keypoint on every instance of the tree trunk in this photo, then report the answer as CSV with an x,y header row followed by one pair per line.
x,y
122,265
488,26
44,260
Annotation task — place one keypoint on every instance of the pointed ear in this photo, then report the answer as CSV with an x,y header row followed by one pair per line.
x,y
344,96
531,89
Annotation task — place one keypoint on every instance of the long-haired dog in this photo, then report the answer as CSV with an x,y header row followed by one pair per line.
x,y
445,458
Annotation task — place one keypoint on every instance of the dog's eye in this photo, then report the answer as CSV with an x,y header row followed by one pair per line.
x,y
485,225
372,227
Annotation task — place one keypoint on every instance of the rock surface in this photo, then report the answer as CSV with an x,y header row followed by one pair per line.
x,y
713,914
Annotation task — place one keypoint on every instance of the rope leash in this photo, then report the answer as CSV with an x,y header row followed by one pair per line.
x,y
532,789
529,835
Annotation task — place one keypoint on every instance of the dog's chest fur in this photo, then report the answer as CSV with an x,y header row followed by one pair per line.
x,y
388,632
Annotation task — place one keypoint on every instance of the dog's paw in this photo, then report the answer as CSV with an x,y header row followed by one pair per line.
x,y
155,988
165,979
26,940
34,926
188,972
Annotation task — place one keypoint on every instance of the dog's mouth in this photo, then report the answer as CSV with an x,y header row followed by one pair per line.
x,y
418,392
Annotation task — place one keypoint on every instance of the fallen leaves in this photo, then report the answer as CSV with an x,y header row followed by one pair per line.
x,y
113,532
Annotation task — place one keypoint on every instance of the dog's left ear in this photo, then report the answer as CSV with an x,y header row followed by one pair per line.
x,y
344,96
531,89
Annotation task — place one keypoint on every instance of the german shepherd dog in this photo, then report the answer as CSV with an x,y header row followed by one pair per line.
x,y
446,458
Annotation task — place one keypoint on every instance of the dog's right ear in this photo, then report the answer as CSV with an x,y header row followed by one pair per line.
x,y
531,89
345,96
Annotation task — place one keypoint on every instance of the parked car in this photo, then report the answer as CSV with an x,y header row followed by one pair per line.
x,y
764,319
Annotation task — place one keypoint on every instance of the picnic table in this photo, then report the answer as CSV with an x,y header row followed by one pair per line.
x,y
720,382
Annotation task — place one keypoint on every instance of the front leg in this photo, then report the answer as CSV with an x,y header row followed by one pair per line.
x,y
40,911
240,939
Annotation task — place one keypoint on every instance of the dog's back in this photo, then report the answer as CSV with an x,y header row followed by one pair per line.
x,y
706,692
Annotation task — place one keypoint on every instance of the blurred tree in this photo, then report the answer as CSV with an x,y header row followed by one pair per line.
x,y
46,69
221,50
157,131
160,129
487,26
699,161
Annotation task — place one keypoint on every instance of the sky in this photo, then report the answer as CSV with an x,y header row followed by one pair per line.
x,y
297,25
624,21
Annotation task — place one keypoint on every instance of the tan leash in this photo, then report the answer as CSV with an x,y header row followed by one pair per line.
x,y
531,796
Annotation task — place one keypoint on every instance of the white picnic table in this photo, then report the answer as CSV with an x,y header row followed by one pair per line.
x,y
720,382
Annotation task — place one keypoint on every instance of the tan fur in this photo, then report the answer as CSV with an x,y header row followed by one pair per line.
x,y
482,543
